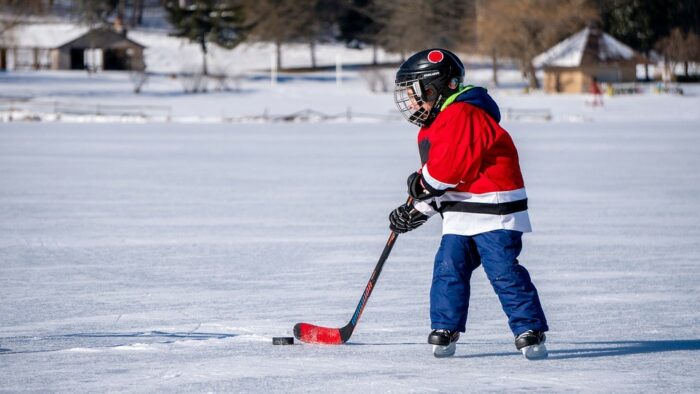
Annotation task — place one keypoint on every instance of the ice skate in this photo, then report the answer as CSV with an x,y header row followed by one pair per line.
x,y
444,342
531,344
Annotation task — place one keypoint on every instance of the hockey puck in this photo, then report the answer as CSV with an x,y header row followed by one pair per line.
x,y
283,340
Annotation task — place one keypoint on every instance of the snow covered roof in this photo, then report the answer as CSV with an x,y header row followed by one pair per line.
x,y
43,35
587,46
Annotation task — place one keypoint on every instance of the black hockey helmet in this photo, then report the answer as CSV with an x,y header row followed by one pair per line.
x,y
427,77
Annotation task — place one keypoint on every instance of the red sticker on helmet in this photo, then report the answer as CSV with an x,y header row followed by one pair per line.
x,y
435,56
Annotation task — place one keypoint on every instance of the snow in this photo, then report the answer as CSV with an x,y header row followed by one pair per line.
x,y
167,54
164,256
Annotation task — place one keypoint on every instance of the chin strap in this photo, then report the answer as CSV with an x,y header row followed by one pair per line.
x,y
434,111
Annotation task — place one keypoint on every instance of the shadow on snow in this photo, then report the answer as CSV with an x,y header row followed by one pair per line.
x,y
610,348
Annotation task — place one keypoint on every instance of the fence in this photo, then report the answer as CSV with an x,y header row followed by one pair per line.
x,y
311,115
19,109
527,114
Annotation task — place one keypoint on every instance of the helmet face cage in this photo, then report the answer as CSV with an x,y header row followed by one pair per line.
x,y
408,96
423,81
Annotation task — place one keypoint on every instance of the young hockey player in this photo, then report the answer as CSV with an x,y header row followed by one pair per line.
x,y
470,175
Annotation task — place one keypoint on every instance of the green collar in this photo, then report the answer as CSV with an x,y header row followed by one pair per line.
x,y
453,97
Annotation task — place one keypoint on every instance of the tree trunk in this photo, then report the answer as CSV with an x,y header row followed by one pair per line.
x,y
494,68
278,49
120,11
685,68
646,67
137,13
35,60
374,54
203,45
533,83
312,47
139,16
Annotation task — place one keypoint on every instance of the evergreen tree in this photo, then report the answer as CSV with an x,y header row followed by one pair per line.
x,y
361,22
95,13
207,21
642,23
357,22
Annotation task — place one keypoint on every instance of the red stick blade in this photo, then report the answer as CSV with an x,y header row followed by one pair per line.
x,y
310,333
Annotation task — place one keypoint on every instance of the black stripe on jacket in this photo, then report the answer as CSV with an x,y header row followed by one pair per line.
x,y
504,208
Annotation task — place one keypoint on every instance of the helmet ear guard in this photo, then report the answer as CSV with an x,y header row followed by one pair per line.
x,y
430,93
454,83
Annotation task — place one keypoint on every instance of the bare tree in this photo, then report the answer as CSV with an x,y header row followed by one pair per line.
x,y
523,29
678,48
412,25
271,21
14,12
487,42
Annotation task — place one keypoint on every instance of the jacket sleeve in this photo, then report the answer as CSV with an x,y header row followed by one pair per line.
x,y
457,146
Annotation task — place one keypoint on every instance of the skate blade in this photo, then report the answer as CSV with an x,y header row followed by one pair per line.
x,y
444,351
535,352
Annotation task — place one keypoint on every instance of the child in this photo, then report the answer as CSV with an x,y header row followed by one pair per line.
x,y
470,175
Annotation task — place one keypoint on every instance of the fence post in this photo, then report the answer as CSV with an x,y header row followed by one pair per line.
x,y
338,71
273,70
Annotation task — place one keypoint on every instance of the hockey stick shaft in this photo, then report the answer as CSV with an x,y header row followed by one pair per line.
x,y
315,334
375,274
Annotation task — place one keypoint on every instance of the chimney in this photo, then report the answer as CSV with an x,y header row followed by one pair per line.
x,y
118,26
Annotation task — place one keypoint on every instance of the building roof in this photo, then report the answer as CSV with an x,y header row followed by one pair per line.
x,y
589,46
43,35
52,35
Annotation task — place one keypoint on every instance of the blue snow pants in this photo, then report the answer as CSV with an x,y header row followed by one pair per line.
x,y
497,251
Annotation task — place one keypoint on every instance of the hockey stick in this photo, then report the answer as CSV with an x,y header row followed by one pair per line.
x,y
311,333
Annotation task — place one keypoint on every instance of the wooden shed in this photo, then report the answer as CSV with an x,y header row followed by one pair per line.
x,y
69,47
571,65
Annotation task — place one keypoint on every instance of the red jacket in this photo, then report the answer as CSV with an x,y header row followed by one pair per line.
x,y
466,152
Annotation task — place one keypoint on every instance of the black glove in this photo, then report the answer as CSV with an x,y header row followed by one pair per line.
x,y
406,218
419,189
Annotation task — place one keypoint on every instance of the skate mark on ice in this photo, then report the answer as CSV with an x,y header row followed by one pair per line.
x,y
57,343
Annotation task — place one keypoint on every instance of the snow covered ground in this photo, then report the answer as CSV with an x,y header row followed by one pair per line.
x,y
165,256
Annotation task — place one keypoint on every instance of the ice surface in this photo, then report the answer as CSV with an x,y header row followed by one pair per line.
x,y
162,258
